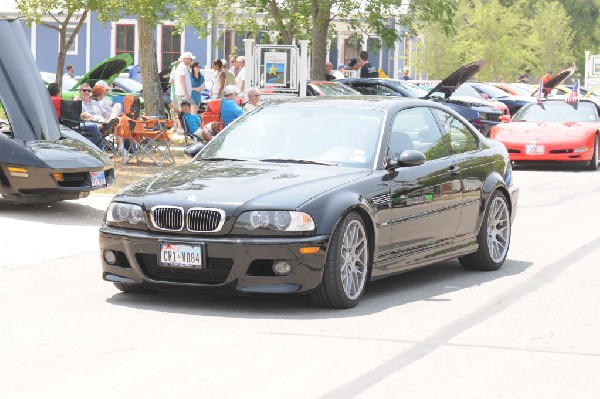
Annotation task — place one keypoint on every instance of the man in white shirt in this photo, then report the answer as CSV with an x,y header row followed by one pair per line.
x,y
183,81
339,73
240,79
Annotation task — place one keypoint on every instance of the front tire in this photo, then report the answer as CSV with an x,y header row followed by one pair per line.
x,y
131,288
493,237
594,161
347,265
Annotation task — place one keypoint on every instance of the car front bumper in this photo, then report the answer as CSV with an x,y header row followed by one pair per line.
x,y
232,264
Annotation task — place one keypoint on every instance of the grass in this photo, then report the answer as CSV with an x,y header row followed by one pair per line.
x,y
132,171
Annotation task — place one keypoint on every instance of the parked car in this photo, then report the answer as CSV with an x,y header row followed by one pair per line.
x,y
482,116
326,195
40,162
107,70
553,132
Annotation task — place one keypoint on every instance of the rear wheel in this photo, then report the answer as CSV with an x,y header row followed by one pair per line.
x,y
594,161
131,288
493,237
347,265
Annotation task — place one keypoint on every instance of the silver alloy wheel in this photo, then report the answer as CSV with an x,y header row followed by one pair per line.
x,y
355,257
498,229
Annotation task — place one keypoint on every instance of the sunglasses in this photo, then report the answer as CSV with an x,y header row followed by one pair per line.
x,y
86,90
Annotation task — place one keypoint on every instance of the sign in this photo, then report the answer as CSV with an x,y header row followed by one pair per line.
x,y
275,69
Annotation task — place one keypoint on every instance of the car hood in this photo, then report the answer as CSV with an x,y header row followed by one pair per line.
x,y
544,131
456,78
107,70
22,91
229,185
68,154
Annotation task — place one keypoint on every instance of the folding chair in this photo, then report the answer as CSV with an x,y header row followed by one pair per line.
x,y
149,137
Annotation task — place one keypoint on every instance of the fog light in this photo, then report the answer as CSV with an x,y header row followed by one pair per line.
x,y
281,268
110,257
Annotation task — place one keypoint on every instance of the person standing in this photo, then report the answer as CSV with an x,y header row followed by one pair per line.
x,y
545,79
183,82
240,78
366,69
217,85
197,86
70,73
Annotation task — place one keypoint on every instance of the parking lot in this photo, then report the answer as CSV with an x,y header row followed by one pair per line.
x,y
528,330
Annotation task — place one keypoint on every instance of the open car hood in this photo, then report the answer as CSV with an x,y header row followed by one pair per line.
x,y
107,70
557,79
456,78
22,91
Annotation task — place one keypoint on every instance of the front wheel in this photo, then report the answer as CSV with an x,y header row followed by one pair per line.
x,y
347,265
131,288
493,237
594,161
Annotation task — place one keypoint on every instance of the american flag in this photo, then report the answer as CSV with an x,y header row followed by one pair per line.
x,y
573,97
538,95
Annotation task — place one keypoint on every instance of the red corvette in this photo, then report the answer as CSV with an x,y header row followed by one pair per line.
x,y
552,131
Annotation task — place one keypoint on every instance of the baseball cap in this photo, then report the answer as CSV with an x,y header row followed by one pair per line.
x,y
353,62
341,66
187,54
96,90
103,84
241,58
231,89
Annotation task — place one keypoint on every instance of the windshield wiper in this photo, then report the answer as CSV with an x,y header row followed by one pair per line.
x,y
292,160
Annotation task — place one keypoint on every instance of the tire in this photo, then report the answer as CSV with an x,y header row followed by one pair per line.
x,y
493,237
594,161
131,288
347,265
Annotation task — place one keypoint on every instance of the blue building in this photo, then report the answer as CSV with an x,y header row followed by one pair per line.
x,y
97,41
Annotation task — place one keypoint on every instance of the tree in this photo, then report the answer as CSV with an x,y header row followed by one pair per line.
x,y
58,15
300,19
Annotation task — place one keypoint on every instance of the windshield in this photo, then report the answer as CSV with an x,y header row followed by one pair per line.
x,y
466,91
333,89
557,111
413,90
490,90
333,135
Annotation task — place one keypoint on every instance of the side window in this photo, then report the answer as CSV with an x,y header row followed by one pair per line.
x,y
457,134
366,89
416,129
384,91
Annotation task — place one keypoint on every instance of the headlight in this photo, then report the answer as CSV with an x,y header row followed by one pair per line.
x,y
276,220
126,215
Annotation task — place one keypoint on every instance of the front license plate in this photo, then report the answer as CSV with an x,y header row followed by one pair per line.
x,y
98,179
181,255
534,149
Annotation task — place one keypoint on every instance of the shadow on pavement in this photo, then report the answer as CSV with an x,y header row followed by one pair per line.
x,y
57,213
427,284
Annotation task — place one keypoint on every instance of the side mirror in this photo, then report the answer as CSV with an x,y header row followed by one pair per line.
x,y
408,158
505,118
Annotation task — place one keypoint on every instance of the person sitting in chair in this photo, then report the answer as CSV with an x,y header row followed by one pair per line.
x,y
230,111
194,124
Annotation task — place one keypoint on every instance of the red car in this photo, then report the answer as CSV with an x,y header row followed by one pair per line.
x,y
552,131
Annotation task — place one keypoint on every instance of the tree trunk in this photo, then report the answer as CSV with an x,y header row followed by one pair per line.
x,y
153,100
66,42
321,14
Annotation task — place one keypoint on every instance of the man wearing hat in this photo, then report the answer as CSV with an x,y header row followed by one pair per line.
x,y
183,81
339,72
230,111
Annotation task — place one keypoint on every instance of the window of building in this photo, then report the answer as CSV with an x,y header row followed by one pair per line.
x,y
125,39
74,47
171,46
